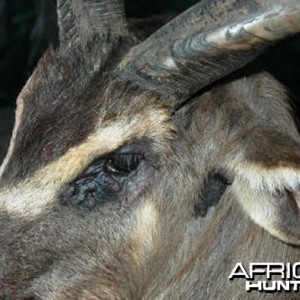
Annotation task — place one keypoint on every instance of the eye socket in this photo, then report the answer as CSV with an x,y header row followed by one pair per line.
x,y
116,176
122,164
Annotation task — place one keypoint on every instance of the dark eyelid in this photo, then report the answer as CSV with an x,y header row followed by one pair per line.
x,y
131,149
139,148
97,185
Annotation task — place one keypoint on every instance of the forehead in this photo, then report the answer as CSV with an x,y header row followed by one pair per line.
x,y
56,110
65,101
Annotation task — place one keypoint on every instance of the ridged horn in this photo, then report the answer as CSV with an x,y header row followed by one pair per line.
x,y
79,20
206,43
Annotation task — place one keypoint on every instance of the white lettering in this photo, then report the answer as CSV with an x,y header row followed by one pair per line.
x,y
275,269
269,286
288,271
272,286
296,274
255,270
238,272
253,286
285,286
296,285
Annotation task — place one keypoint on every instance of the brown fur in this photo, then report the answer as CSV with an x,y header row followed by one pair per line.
x,y
147,244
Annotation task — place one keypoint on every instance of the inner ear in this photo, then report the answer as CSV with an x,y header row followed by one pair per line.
x,y
267,183
277,212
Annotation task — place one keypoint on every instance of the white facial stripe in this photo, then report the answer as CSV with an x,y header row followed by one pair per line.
x,y
37,194
146,227
26,200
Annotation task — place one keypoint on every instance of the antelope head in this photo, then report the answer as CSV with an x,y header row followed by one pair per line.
x,y
120,146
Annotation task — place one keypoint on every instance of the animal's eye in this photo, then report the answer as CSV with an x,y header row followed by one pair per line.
x,y
122,164
116,176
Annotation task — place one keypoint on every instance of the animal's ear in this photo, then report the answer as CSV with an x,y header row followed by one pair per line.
x,y
267,182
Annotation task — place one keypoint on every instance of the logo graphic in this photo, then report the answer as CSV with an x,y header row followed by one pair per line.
x,y
273,277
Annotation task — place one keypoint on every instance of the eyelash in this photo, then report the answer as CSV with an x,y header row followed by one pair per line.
x,y
122,164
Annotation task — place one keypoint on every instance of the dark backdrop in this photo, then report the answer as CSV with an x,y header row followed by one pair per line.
x,y
26,27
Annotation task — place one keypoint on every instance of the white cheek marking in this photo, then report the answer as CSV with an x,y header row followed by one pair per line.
x,y
145,230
